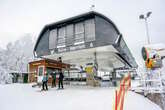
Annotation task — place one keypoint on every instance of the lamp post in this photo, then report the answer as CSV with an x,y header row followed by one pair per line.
x,y
146,23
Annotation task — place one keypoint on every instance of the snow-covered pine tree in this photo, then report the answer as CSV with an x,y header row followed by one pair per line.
x,y
15,57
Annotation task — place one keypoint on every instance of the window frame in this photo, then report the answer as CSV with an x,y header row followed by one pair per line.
x,y
93,34
70,37
61,37
42,67
79,33
53,46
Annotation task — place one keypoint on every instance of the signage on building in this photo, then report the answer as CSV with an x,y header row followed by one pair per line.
x,y
77,47
72,48
63,49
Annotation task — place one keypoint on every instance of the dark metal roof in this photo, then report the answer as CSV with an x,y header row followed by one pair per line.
x,y
73,20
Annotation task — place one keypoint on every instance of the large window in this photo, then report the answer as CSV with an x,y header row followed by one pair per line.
x,y
89,30
40,70
79,33
61,37
70,34
53,39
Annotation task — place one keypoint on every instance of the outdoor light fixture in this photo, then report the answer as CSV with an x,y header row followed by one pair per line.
x,y
146,23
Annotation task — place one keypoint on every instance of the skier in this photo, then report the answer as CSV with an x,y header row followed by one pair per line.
x,y
53,79
60,82
44,82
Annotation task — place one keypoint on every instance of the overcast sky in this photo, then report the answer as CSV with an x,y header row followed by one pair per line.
x,y
18,17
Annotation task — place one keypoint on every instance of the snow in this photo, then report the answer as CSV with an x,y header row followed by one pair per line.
x,y
24,97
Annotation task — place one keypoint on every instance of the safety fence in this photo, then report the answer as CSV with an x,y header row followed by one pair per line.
x,y
125,84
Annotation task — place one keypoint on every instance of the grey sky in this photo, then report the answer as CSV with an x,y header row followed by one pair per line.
x,y
18,17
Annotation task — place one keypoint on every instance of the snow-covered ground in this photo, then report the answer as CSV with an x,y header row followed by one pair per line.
x,y
24,97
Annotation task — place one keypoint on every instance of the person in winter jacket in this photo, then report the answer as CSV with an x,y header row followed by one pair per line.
x,y
60,82
53,79
44,82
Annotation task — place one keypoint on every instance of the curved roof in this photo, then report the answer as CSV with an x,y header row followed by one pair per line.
x,y
73,20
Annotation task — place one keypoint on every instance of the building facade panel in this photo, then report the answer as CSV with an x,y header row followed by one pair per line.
x,y
43,45
105,32
125,52
90,30
53,39
69,35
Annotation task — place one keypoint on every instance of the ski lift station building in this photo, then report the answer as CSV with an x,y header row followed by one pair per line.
x,y
89,38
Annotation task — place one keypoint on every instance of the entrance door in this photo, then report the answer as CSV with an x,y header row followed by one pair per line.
x,y
40,74
25,78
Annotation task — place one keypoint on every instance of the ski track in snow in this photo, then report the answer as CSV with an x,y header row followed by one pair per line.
x,y
24,97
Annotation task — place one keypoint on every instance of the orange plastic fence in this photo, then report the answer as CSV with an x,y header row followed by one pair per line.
x,y
125,84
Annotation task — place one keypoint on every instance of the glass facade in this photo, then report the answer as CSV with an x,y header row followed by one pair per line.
x,y
79,33
53,39
61,37
40,71
89,30
72,34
